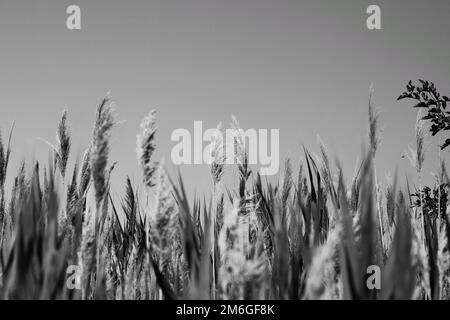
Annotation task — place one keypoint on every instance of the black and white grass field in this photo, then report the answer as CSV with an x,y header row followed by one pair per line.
x,y
104,212
312,235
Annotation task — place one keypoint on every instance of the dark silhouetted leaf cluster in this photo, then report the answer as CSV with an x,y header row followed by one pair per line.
x,y
427,96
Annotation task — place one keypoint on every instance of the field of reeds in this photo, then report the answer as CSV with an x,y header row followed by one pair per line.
x,y
311,236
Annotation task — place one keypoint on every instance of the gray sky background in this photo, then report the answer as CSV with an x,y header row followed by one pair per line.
x,y
303,67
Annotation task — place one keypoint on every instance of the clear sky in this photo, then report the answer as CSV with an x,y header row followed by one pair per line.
x,y
300,66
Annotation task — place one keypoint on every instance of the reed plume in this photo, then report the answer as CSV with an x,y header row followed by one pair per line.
x,y
146,147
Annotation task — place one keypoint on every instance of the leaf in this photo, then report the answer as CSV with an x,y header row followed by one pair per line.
x,y
432,102
446,144
434,130
421,105
404,95
434,110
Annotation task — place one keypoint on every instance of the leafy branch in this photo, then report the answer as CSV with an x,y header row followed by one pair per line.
x,y
427,96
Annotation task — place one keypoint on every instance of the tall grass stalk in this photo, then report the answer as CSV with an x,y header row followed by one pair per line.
x,y
374,142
